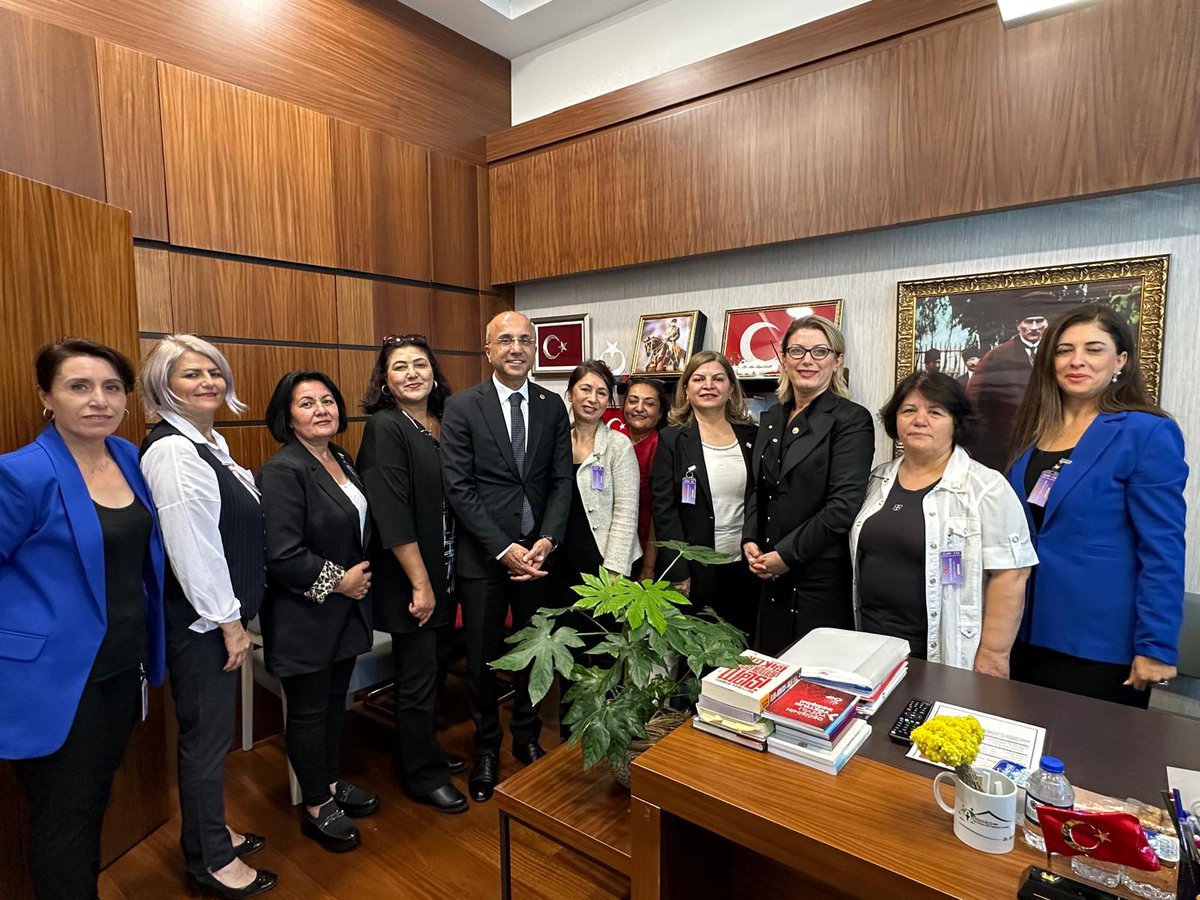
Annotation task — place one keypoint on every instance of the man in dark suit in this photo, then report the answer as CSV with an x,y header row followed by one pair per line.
x,y
507,471
999,381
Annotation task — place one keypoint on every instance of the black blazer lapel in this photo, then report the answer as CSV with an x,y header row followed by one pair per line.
x,y
347,465
818,423
536,426
489,406
691,453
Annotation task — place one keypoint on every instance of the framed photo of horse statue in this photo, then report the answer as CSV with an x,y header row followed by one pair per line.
x,y
664,341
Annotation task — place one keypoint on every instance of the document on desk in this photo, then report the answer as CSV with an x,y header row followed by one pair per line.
x,y
1002,739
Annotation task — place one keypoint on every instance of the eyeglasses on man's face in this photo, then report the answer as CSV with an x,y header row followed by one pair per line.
x,y
507,340
818,352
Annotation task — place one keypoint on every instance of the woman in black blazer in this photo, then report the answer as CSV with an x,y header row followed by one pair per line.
x,y
699,482
412,552
316,615
811,464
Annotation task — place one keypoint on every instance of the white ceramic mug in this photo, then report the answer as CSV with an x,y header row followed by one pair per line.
x,y
987,819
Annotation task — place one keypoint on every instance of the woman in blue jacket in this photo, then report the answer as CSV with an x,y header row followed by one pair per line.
x,y
1102,470
81,568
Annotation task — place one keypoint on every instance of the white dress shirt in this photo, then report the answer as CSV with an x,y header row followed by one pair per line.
x,y
504,392
188,499
726,467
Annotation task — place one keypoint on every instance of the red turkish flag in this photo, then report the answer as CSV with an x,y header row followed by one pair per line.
x,y
613,419
1115,837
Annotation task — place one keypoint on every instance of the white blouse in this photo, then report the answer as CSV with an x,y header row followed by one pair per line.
x,y
727,482
355,496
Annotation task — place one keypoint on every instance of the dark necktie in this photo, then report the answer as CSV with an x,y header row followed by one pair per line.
x,y
518,449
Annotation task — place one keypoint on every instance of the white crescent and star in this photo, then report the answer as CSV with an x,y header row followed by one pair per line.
x,y
746,348
562,346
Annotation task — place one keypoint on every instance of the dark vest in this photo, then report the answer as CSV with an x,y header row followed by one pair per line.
x,y
243,536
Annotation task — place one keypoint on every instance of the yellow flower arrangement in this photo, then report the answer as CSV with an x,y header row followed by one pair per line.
x,y
952,741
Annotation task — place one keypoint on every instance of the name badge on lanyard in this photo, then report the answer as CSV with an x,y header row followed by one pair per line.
x,y
1041,491
952,567
597,477
687,487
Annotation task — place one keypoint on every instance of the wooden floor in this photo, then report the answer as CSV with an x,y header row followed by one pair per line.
x,y
407,849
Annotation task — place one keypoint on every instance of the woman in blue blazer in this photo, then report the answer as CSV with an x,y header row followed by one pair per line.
x,y
1102,470
81,568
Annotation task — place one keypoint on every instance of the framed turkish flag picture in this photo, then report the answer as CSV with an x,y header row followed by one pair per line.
x,y
563,342
753,336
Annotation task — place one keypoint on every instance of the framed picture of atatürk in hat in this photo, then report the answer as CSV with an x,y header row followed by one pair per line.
x,y
985,329
664,341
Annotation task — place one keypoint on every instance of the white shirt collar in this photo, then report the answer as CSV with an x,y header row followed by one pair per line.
x,y
504,391
192,433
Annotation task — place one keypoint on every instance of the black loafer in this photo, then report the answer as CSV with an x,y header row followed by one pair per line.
x,y
252,844
456,764
528,753
331,828
447,799
356,802
484,775
208,886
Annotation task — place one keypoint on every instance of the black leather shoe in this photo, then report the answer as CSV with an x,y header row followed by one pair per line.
x,y
356,802
252,844
456,764
208,886
484,776
448,799
331,828
528,753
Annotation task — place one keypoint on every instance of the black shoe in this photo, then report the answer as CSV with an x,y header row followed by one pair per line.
x,y
448,799
484,776
208,885
528,753
252,844
456,764
331,828
356,802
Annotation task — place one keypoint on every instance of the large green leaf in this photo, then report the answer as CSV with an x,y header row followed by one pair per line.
x,y
546,648
692,553
610,728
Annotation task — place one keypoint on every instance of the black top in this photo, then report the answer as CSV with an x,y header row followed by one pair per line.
x,y
1039,462
579,550
126,540
891,569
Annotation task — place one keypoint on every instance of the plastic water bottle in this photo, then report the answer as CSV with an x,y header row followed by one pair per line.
x,y
1047,786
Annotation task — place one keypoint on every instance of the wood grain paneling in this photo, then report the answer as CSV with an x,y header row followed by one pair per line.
x,y
48,105
249,445
373,62
153,271
369,310
246,300
351,439
132,133
381,195
257,368
454,220
355,310
456,321
483,217
462,370
246,173
354,373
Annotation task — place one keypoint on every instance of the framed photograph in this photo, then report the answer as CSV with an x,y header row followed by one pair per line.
x,y
752,336
664,341
563,342
985,329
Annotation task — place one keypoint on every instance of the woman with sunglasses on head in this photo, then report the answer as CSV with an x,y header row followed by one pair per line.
x,y
412,552
811,463
645,413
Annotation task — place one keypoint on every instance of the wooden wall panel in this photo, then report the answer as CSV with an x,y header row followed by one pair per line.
x,y
454,220
373,62
462,370
257,368
249,445
355,310
246,173
246,300
351,439
456,322
370,310
153,271
381,196
132,131
48,105
354,372
483,217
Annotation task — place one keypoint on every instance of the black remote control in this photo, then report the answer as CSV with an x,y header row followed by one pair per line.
x,y
914,714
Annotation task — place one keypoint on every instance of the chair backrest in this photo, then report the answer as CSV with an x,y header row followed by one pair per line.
x,y
1189,637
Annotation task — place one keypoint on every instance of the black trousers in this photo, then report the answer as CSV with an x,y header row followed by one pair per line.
x,y
68,790
735,597
485,601
316,712
204,706
1099,680
817,596
418,657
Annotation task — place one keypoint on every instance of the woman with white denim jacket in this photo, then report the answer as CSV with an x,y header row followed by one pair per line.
x,y
941,547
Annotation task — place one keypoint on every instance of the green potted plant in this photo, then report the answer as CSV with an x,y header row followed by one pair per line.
x,y
623,702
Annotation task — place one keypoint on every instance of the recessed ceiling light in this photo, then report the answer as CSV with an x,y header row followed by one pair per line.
x,y
1021,12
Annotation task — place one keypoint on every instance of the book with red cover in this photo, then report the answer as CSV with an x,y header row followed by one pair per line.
x,y
751,686
812,708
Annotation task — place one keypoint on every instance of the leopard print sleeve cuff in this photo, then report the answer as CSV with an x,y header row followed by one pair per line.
x,y
331,574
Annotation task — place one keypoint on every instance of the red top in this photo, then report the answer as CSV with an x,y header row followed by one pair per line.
x,y
645,450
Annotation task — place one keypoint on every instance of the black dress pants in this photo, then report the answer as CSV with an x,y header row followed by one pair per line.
x,y
485,601
1086,677
68,790
816,596
417,657
316,712
204,706
735,597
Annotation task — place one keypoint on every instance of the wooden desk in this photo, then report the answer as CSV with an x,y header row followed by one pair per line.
x,y
587,812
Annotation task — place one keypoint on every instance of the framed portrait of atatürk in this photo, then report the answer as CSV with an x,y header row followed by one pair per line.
x,y
664,341
563,342
984,330
752,337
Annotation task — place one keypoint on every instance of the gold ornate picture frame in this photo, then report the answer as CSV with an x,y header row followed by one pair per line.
x,y
664,342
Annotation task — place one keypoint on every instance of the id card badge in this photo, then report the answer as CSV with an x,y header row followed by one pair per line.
x,y
145,697
688,490
1041,491
952,567
597,477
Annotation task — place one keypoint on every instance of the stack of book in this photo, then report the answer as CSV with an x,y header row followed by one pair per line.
x,y
732,700
817,726
867,665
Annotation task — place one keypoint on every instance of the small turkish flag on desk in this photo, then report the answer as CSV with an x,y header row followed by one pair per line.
x,y
1115,837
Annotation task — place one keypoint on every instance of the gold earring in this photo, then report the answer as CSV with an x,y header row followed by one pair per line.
x,y
47,414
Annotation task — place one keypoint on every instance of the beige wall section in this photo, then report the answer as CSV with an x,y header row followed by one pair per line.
x,y
864,269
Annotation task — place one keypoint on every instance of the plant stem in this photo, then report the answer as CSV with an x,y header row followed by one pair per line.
x,y
671,565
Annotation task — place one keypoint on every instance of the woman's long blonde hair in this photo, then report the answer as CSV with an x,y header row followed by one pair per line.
x,y
836,341
735,408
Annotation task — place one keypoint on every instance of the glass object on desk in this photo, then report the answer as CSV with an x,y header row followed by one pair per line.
x,y
1047,786
1097,871
1158,885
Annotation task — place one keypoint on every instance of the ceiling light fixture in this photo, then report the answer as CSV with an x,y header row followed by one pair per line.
x,y
1022,12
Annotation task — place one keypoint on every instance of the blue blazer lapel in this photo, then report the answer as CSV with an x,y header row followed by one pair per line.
x,y
1016,477
81,513
1089,449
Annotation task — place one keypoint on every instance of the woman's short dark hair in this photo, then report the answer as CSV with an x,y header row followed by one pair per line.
x,y
937,388
279,410
377,397
664,401
593,367
51,357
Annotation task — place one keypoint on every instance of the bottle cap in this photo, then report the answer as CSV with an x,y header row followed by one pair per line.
x,y
1053,765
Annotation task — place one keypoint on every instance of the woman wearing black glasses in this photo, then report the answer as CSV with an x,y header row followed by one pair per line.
x,y
811,463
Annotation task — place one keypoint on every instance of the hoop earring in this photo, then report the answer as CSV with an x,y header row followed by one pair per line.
x,y
435,384
383,391
47,414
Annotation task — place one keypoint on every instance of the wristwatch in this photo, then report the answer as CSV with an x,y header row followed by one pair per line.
x,y
553,542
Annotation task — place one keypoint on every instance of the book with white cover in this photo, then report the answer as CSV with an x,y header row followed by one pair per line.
x,y
828,762
854,660
725,711
746,740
